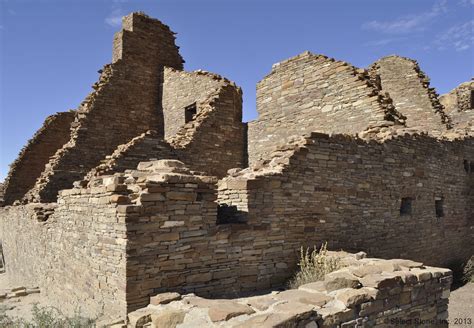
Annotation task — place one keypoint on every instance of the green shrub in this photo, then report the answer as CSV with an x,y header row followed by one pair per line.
x,y
468,271
314,265
46,317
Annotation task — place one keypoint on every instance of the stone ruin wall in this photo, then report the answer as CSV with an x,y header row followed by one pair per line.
x,y
32,159
182,89
410,91
367,292
212,142
310,93
348,192
215,141
164,220
75,251
125,103
163,227
459,105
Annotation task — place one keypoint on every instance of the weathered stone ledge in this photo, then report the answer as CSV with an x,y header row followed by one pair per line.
x,y
367,292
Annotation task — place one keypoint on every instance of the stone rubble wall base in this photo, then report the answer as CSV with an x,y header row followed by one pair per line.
x,y
368,292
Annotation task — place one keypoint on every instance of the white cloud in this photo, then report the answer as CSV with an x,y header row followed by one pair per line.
x,y
115,18
467,2
460,37
384,42
409,23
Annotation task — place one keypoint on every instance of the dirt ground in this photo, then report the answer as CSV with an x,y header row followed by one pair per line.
x,y
19,307
461,307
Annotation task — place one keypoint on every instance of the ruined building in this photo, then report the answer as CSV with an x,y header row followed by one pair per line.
x,y
155,184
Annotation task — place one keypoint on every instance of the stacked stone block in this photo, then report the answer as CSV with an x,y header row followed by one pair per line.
x,y
348,191
410,91
459,105
215,140
310,93
124,104
368,292
35,155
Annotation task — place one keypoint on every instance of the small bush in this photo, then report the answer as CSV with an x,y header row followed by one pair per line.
x,y
468,271
314,266
46,317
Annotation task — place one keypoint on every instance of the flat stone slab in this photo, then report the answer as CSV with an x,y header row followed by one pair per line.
x,y
225,310
301,296
167,318
262,303
164,298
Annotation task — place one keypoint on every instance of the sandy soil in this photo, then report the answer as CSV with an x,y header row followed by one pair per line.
x,y
461,307
19,307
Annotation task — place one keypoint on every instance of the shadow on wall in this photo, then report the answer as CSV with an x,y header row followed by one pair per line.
x,y
227,214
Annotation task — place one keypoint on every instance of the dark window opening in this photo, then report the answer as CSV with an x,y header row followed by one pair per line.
x,y
405,206
472,167
189,112
466,165
227,214
472,99
439,207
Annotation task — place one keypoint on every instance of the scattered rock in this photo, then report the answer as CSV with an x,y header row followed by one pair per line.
x,y
224,310
167,318
164,298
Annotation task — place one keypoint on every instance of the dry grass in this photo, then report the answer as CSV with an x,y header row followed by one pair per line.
x,y
468,272
314,265
46,317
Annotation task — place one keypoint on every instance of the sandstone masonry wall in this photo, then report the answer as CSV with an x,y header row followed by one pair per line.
x,y
74,251
310,93
459,105
35,155
125,103
147,146
410,90
349,191
181,89
369,292
215,140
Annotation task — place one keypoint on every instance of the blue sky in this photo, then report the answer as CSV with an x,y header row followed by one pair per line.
x,y
50,51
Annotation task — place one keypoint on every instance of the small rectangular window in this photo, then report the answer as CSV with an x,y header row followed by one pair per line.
x,y
439,207
472,99
466,165
189,112
405,206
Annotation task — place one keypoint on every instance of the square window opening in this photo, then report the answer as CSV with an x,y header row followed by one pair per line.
x,y
189,112
406,206
466,165
439,207
472,99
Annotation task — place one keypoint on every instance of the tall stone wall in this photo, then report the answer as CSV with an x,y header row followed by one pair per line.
x,y
310,93
410,90
32,159
74,251
182,89
349,192
147,146
368,292
215,140
126,102
459,105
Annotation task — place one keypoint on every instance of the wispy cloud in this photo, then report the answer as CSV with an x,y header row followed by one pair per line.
x,y
385,41
114,19
409,23
467,2
460,37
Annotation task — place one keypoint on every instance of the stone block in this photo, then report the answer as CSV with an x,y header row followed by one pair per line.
x,y
164,298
